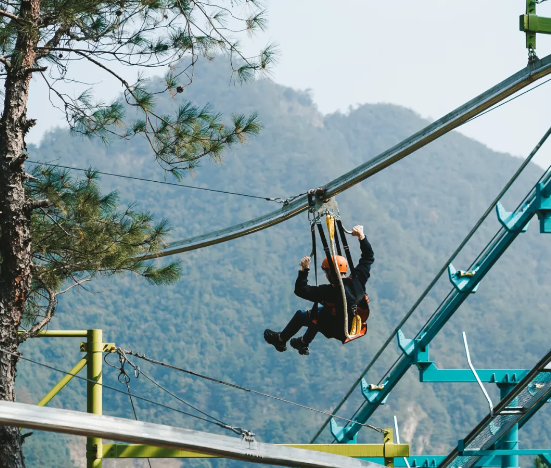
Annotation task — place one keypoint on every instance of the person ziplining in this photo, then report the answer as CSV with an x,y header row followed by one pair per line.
x,y
342,293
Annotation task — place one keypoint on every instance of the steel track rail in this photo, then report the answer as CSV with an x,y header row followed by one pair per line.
x,y
454,119
530,393
127,430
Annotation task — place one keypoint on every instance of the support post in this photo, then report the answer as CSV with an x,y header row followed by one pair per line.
x,y
510,440
64,381
94,448
389,448
530,35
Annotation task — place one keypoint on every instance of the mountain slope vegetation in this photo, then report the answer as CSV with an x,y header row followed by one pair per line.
x,y
415,214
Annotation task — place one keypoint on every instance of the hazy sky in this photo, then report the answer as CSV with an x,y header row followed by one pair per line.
x,y
428,55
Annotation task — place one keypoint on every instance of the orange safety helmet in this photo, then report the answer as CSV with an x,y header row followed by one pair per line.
x,y
341,262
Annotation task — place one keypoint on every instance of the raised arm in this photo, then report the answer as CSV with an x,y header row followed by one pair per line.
x,y
304,290
362,271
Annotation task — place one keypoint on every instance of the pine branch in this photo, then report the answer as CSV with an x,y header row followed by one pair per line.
x,y
50,311
4,61
9,15
34,204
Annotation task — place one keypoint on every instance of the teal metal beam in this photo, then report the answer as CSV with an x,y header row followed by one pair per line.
x,y
509,442
505,453
433,374
432,461
429,372
537,203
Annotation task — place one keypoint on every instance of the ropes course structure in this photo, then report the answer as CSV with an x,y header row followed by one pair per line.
x,y
523,392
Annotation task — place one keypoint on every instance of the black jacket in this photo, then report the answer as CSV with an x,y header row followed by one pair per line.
x,y
332,326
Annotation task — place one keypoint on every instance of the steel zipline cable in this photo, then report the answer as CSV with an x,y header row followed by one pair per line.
x,y
284,201
234,429
125,378
484,102
238,387
507,101
435,280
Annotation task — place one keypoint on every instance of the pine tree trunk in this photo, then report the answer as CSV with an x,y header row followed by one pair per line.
x,y
15,236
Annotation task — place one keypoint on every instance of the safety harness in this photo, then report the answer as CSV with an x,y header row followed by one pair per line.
x,y
320,206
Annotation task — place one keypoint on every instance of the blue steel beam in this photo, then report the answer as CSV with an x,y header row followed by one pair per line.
x,y
538,202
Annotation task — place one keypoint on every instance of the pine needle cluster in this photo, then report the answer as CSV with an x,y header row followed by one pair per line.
x,y
122,38
79,234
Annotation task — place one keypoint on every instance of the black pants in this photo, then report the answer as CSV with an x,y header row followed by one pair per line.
x,y
302,318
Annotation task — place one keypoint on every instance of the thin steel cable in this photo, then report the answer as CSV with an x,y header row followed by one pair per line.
x,y
436,312
238,387
436,278
528,197
500,233
236,430
127,383
122,176
509,100
391,368
123,359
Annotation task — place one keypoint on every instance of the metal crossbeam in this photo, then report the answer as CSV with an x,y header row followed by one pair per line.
x,y
533,72
378,451
126,430
433,374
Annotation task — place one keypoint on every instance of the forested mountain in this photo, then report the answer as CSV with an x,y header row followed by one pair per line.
x,y
415,214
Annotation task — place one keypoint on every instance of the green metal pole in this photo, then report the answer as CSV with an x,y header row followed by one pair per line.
x,y
510,440
60,333
94,447
64,381
530,36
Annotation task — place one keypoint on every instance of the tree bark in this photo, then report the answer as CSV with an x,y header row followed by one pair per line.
x,y
15,235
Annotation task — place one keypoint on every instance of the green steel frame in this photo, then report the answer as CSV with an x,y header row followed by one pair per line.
x,y
532,24
384,453
96,451
93,359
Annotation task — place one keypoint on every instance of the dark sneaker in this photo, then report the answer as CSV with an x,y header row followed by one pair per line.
x,y
272,338
300,346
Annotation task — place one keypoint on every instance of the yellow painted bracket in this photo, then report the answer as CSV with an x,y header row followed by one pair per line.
x,y
106,347
389,448
387,451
